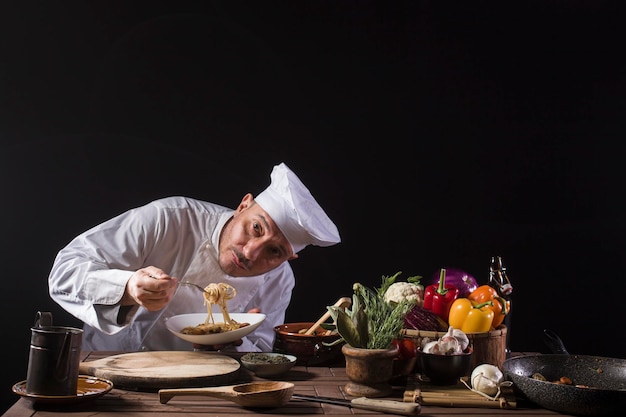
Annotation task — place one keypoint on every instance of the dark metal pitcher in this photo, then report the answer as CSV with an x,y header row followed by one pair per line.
x,y
54,358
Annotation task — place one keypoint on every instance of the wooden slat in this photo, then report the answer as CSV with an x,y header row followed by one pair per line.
x,y
458,395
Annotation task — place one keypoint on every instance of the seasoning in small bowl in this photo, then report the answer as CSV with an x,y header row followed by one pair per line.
x,y
267,364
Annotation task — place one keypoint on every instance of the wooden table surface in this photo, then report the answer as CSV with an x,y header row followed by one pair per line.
x,y
317,381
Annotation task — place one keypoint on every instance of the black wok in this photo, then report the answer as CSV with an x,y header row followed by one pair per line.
x,y
599,382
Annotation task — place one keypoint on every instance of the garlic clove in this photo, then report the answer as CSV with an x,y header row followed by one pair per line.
x,y
430,347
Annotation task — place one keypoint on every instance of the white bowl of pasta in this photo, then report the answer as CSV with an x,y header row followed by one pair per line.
x,y
191,327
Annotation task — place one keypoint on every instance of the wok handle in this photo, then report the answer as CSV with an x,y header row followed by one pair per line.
x,y
554,342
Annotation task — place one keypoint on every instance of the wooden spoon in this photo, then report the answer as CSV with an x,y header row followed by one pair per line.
x,y
254,394
342,302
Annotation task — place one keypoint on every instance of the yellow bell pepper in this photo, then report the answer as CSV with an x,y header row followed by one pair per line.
x,y
471,317
500,306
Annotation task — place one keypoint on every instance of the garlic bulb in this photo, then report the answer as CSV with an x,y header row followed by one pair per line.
x,y
486,378
462,338
453,342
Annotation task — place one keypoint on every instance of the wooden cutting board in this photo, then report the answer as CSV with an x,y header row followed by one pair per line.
x,y
151,371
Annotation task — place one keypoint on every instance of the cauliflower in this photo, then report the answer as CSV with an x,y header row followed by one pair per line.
x,y
402,291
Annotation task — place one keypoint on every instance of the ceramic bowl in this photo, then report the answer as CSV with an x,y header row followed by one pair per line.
x,y
176,323
309,349
444,369
267,364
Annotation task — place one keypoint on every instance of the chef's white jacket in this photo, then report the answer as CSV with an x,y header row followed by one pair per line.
x,y
180,236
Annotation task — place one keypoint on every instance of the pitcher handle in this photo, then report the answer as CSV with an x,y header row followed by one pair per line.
x,y
43,319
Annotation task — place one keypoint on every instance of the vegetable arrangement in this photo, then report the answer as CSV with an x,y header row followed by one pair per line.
x,y
455,299
453,302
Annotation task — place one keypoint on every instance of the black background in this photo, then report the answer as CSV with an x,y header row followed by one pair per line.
x,y
434,133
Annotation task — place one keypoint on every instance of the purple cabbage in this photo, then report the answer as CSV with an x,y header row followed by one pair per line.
x,y
465,282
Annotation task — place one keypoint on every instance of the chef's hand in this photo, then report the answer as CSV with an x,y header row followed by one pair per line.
x,y
149,287
197,347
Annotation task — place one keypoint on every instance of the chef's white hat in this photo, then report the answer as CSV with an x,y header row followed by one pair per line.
x,y
292,207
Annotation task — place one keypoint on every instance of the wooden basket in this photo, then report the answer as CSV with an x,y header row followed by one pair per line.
x,y
489,347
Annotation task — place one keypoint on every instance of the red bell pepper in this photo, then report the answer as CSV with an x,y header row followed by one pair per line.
x,y
438,298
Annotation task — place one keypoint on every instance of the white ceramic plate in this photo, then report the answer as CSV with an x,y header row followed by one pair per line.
x,y
177,323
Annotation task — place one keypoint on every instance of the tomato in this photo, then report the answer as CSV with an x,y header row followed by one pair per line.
x,y
406,347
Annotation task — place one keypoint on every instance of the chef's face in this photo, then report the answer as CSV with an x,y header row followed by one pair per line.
x,y
251,243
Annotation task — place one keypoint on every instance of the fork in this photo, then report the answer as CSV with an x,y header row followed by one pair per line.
x,y
191,284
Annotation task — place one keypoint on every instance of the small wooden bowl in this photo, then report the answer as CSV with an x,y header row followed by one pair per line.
x,y
309,349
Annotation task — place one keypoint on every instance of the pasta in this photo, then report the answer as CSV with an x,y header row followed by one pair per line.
x,y
216,294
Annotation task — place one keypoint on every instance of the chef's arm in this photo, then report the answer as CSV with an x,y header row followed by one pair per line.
x,y
90,276
92,296
114,295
